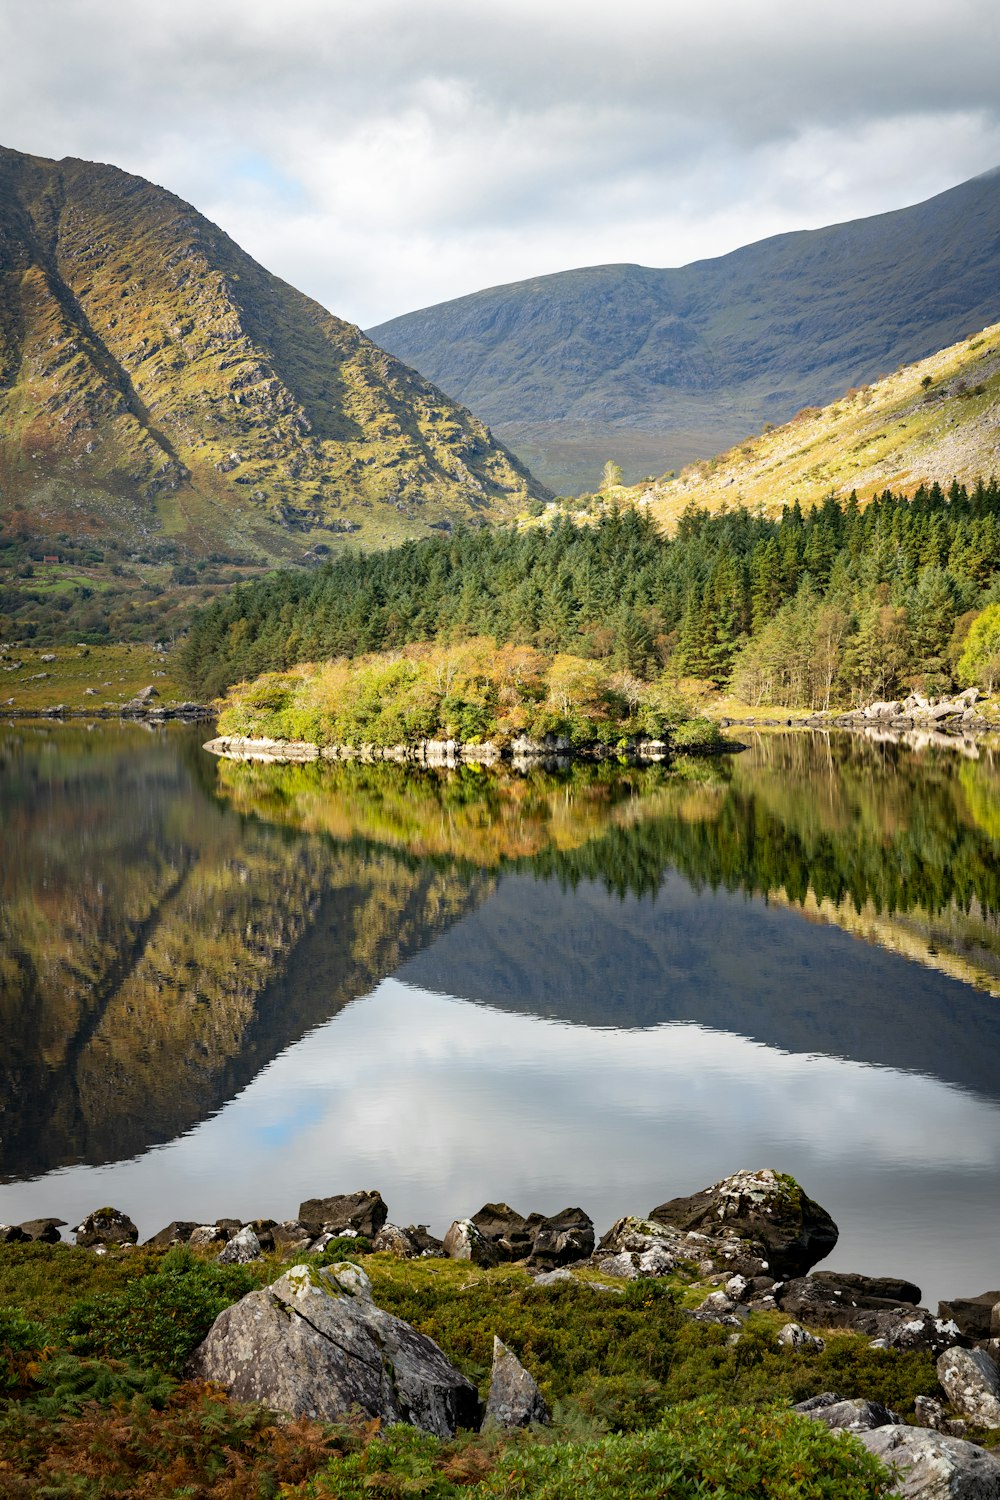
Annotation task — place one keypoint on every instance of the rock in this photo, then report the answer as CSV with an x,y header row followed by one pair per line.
x,y
107,1226
934,1466
241,1249
264,1230
554,1278
463,1241
931,1413
850,1416
427,1243
869,1291
395,1240
766,1208
835,1299
314,1344
718,1308
207,1236
45,1230
557,1241
505,1229
794,1336
643,1247
177,1233
365,1212
975,1317
971,1381
13,1234
291,1235
514,1399
542,1241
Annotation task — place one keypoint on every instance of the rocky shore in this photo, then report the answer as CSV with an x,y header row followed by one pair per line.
x,y
315,1343
521,751
917,721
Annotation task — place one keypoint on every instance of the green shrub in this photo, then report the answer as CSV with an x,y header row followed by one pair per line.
x,y
701,1449
158,1321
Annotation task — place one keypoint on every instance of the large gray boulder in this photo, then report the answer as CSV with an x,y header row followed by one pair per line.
x,y
314,1344
514,1399
766,1208
363,1212
933,1466
971,1380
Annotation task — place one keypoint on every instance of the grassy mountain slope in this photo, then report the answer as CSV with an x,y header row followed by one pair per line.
x,y
157,384
938,419
656,368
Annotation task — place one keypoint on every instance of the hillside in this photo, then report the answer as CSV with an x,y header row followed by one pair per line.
x,y
936,420
657,368
162,393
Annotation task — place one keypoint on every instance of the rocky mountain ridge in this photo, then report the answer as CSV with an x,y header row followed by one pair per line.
x,y
657,368
158,385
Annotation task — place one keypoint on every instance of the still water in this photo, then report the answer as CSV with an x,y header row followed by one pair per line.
x,y
226,988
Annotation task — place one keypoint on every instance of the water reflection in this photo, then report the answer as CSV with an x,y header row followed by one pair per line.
x,y
443,1105
180,938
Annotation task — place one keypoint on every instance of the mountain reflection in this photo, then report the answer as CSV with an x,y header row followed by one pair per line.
x,y
170,925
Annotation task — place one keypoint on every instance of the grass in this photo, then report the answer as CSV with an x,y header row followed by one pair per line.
x,y
93,1402
114,674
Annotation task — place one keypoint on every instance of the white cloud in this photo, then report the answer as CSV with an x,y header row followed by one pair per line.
x,y
408,153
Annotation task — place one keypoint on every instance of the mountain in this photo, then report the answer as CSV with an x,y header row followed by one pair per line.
x,y
160,390
657,368
936,420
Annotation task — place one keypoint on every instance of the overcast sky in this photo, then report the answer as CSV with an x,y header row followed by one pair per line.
x,y
383,155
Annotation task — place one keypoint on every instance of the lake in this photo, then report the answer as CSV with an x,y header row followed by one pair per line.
x,y
225,988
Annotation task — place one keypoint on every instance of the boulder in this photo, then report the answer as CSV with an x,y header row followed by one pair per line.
x,y
363,1212
107,1226
933,1465
766,1208
836,1298
176,1233
505,1229
208,1237
849,1416
975,1317
514,1399
291,1235
643,1247
971,1381
13,1234
558,1241
393,1239
794,1336
45,1230
241,1249
463,1241
314,1344
544,1242
720,1308
930,1412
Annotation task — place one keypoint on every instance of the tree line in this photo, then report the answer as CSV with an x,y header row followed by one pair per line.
x,y
838,605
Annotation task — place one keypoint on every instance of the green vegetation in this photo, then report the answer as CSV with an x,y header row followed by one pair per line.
x,y
85,677
837,606
663,367
472,692
642,1396
930,420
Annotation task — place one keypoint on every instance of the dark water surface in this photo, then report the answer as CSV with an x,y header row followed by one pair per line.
x,y
226,988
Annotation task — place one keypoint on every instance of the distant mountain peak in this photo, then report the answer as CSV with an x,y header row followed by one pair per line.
x,y
656,368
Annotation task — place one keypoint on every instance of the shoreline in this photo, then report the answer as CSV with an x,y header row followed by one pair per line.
x,y
519,752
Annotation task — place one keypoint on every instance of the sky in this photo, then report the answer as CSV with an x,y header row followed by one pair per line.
x,y
385,155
